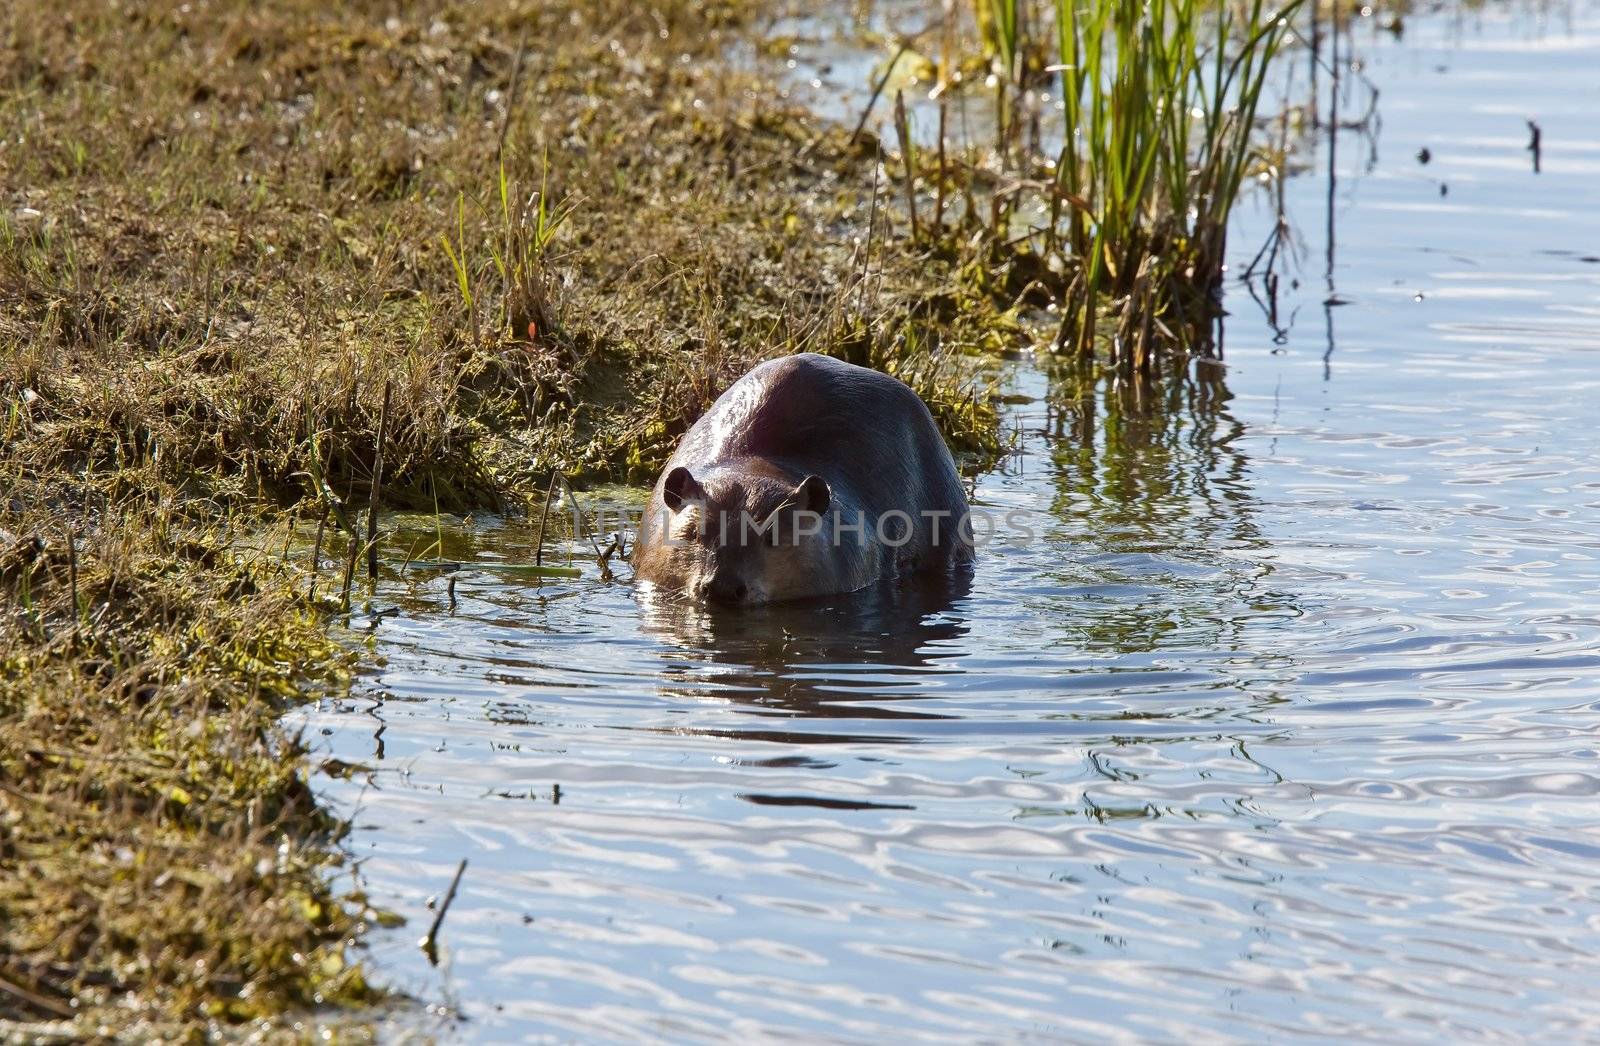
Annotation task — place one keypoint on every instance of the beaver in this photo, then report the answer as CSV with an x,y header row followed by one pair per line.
x,y
808,477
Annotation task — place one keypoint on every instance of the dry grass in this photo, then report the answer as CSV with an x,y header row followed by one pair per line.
x,y
238,224
224,229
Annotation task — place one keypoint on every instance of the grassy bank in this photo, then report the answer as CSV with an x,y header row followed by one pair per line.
x,y
162,861
287,209
551,231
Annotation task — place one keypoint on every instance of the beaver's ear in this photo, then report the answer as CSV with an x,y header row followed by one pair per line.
x,y
812,495
681,488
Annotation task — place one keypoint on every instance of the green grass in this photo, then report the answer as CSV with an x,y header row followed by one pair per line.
x,y
1160,100
157,835
1159,105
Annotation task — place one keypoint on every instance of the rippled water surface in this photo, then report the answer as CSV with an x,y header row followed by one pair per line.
x,y
1282,725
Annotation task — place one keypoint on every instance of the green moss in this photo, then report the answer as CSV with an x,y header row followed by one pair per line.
x,y
157,835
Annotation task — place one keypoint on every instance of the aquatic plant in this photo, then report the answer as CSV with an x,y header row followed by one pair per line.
x,y
1159,100
1159,104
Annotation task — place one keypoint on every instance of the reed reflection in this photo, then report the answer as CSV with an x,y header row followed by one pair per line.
x,y
1152,487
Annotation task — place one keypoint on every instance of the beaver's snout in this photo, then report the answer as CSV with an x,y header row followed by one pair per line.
x,y
727,590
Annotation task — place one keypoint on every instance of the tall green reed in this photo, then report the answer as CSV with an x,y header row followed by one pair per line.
x,y
1159,103
528,224
1002,30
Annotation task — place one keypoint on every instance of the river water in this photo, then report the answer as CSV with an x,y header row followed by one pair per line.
x,y
1283,724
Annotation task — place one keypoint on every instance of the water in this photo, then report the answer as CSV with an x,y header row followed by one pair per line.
x,y
1284,725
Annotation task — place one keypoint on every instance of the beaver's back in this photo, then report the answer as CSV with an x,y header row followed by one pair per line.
x,y
866,433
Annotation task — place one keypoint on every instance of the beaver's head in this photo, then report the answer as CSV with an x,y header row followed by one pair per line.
x,y
747,535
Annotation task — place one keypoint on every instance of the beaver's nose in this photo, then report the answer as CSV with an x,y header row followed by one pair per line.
x,y
727,590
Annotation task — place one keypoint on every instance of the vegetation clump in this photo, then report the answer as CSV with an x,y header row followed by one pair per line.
x,y
1159,103
159,845
1110,206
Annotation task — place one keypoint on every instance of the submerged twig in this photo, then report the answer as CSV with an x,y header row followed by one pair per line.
x,y
377,484
351,553
544,517
584,530
496,566
430,943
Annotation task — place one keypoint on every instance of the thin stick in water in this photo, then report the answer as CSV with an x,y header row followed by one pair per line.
x,y
544,517
582,519
377,484
877,89
316,552
350,569
430,943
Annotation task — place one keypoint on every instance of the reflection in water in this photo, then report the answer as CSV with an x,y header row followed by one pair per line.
x,y
1281,723
781,656
1151,476
1147,454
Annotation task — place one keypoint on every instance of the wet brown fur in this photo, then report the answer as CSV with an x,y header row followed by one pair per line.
x,y
754,460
